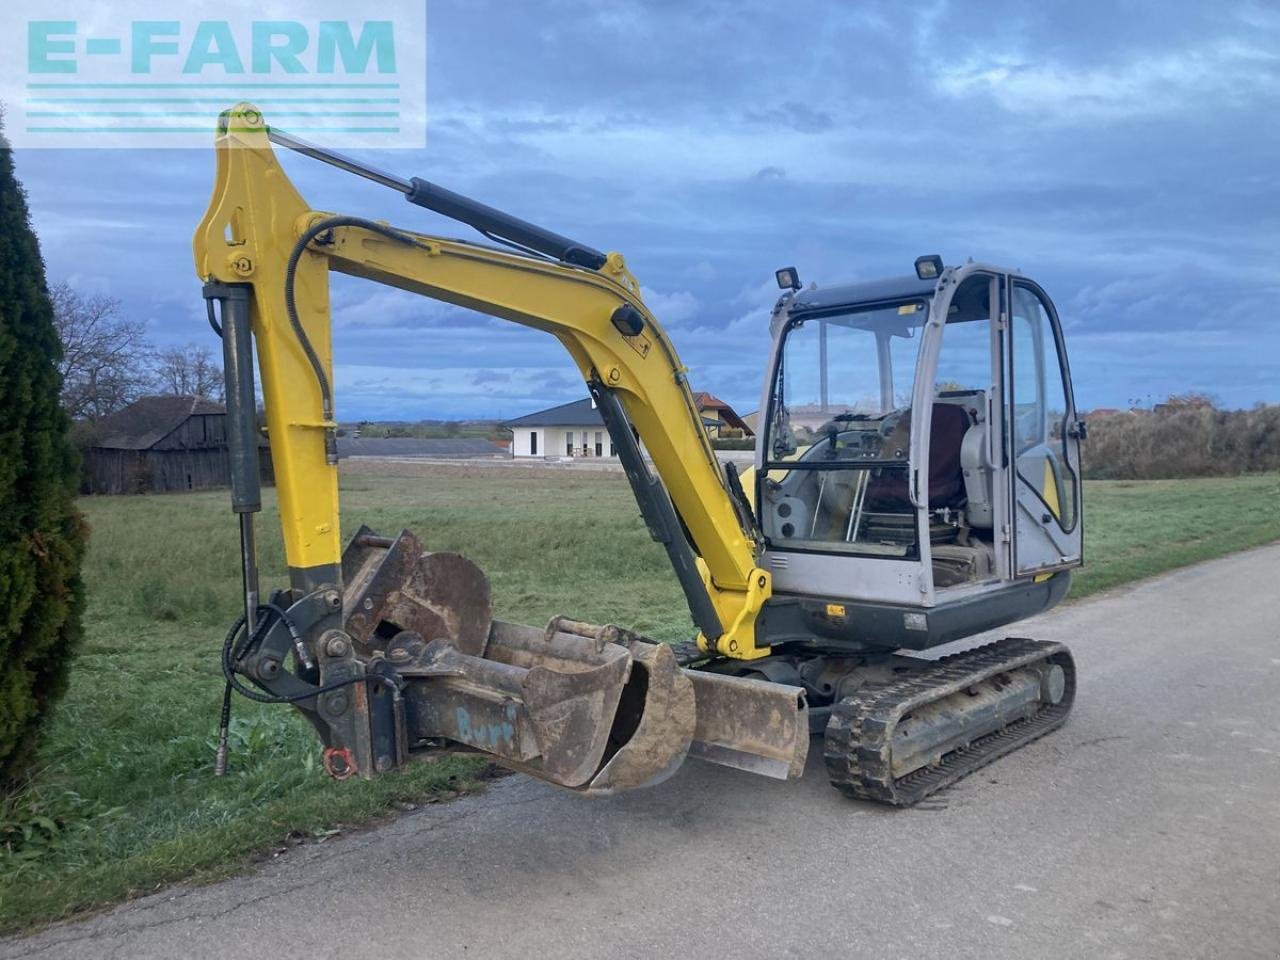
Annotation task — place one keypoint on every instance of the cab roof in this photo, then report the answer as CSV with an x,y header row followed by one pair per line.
x,y
870,291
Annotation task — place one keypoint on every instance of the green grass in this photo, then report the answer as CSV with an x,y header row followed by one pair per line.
x,y
1138,528
125,801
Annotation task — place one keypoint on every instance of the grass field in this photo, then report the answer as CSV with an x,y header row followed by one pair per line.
x,y
126,801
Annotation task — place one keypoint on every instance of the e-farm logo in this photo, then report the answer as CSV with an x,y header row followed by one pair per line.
x,y
80,73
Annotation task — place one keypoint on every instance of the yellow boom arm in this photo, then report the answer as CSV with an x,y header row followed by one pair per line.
x,y
257,223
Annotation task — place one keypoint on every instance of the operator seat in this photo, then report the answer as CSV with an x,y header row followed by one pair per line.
x,y
888,491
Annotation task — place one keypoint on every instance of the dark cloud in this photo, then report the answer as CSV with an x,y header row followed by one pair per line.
x,y
792,116
1122,154
484,377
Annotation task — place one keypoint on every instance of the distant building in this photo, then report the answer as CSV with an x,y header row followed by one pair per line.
x,y
719,418
162,445
577,430
570,430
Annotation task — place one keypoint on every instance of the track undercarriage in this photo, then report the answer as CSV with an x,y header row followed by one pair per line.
x,y
899,741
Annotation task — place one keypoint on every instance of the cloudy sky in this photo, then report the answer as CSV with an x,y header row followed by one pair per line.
x,y
1126,155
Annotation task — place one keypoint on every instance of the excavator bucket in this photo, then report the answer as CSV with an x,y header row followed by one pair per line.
x,y
592,708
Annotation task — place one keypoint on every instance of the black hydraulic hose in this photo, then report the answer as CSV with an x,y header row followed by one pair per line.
x,y
291,305
213,317
228,669
232,647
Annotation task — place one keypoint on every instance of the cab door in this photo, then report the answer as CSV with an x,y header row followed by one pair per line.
x,y
1042,435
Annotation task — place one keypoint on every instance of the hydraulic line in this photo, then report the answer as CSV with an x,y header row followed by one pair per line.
x,y
291,308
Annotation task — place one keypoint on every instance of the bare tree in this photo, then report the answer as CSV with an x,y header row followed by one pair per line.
x,y
106,359
188,371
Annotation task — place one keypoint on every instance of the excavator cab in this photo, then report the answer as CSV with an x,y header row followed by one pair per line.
x,y
917,473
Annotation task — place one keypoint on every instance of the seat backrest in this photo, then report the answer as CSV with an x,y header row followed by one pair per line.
x,y
946,478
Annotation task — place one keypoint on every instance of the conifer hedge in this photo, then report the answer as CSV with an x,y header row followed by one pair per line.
x,y
42,536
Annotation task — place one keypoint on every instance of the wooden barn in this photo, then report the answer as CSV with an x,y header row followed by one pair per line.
x,y
162,445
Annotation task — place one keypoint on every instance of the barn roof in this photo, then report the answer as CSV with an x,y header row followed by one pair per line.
x,y
579,413
147,421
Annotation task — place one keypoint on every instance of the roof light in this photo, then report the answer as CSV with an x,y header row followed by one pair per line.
x,y
788,278
929,268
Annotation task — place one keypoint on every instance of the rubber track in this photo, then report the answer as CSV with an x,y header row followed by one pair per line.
x,y
857,746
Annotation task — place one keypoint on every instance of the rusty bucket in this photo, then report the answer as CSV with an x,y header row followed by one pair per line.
x,y
592,708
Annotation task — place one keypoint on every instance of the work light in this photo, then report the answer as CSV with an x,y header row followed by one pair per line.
x,y
929,268
788,278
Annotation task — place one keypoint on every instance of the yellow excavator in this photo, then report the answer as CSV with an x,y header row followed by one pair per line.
x,y
916,482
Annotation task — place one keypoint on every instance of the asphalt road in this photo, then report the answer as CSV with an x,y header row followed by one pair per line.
x,y
1148,827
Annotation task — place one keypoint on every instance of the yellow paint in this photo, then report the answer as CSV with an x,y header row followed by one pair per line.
x,y
254,199
748,480
251,220
1050,489
738,613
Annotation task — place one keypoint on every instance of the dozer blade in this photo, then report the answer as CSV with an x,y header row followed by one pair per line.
x,y
753,725
592,708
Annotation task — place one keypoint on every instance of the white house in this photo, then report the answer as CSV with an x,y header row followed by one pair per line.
x,y
569,430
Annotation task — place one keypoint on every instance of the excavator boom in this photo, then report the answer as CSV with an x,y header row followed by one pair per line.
x,y
260,235
394,651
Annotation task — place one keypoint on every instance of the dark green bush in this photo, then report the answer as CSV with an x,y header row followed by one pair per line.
x,y
41,534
